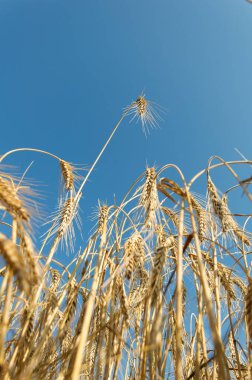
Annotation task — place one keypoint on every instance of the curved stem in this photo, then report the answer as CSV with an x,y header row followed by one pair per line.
x,y
30,150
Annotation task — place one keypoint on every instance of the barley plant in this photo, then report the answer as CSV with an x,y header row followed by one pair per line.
x,y
161,290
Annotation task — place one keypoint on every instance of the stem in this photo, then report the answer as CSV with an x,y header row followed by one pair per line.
x,y
30,150
87,320
179,291
7,304
99,155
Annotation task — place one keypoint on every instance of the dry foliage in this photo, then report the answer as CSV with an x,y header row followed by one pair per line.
x,y
162,289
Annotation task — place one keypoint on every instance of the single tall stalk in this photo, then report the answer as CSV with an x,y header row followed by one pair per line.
x,y
179,296
100,154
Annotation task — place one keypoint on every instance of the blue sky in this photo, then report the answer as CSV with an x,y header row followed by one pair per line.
x,y
68,68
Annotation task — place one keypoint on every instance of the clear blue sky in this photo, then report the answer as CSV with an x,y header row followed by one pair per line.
x,y
67,69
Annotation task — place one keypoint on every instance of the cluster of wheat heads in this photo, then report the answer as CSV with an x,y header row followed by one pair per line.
x,y
161,290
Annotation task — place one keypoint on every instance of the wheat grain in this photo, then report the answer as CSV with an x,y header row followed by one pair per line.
x,y
13,259
67,173
66,217
10,200
201,218
149,198
133,254
27,249
222,212
55,279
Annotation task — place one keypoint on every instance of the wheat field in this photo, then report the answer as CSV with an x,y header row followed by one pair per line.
x,y
161,290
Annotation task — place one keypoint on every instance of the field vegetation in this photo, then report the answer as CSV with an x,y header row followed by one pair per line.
x,y
161,290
